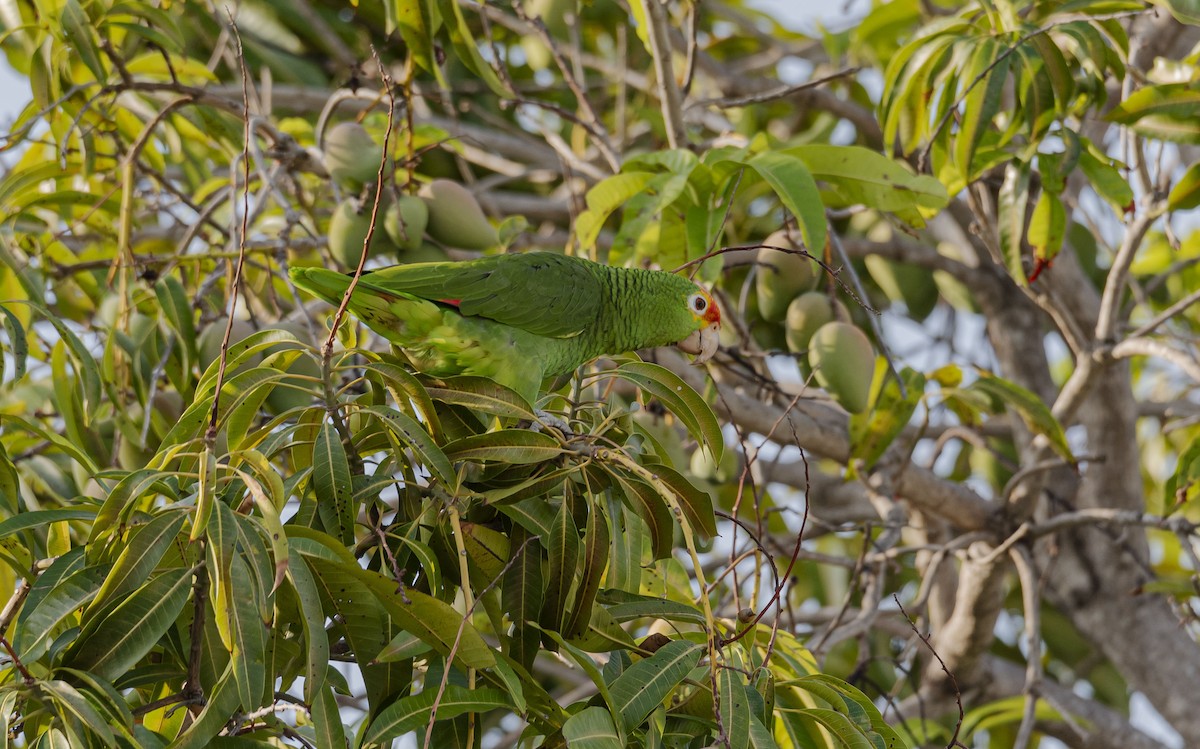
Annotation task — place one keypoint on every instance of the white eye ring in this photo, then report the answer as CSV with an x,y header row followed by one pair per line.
x,y
697,302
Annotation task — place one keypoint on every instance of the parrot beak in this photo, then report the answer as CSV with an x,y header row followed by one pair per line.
x,y
702,343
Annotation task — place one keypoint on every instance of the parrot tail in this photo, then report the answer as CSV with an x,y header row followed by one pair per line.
x,y
397,316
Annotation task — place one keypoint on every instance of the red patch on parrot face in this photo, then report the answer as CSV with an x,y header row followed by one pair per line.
x,y
451,302
713,313
704,308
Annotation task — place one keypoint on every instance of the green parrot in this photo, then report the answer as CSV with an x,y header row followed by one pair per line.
x,y
521,318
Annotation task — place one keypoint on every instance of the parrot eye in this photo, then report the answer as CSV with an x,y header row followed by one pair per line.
x,y
698,302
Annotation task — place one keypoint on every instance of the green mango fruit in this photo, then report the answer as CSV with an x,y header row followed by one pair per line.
x,y
405,221
843,362
348,230
807,313
901,282
351,155
782,276
426,252
455,218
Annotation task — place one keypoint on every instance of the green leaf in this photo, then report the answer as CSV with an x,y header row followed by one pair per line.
x,y
735,708
412,19
240,352
481,394
38,518
562,549
843,729
221,702
72,705
680,399
1047,226
67,447
1108,182
645,684
862,706
513,446
791,180
1181,484
651,507
981,103
871,433
624,606
695,503
605,197
413,713
589,667
1169,111
591,728
1032,410
414,436
406,388
17,346
594,562
467,50
104,697
1056,68
1185,195
522,592
177,309
78,28
1013,198
860,175
39,622
316,641
111,646
434,621
327,720
249,636
334,485
138,559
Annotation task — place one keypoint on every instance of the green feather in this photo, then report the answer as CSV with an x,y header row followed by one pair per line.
x,y
517,319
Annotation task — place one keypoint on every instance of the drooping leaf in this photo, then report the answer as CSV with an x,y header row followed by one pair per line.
x,y
645,684
334,484
413,713
1032,410
792,181
680,399
592,728
110,646
1170,111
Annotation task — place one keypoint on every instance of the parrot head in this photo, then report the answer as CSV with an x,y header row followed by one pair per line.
x,y
706,317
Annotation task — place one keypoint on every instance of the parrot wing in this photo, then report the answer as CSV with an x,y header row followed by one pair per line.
x,y
540,292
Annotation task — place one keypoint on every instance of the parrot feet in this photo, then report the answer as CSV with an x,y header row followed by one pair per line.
x,y
545,420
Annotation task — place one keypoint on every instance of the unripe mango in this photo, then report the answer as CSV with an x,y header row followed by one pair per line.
x,y
426,252
807,313
348,230
843,362
405,221
782,276
901,282
455,217
351,155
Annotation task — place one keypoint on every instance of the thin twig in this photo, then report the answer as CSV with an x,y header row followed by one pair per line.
x,y
210,434
954,742
779,92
